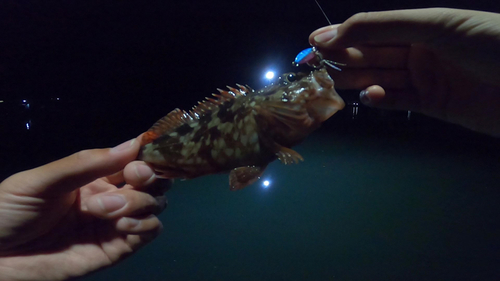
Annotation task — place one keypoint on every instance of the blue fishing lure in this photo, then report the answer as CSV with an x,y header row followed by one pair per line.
x,y
313,58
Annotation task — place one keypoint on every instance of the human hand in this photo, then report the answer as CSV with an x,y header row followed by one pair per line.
x,y
441,62
73,216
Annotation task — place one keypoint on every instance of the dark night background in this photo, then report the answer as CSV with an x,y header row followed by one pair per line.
x,y
380,197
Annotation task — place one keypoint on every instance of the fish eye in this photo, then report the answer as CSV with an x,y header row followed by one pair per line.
x,y
288,78
291,77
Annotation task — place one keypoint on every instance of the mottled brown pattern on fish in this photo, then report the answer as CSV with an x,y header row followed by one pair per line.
x,y
240,128
226,136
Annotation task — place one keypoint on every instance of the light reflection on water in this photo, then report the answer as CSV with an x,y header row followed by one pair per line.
x,y
266,183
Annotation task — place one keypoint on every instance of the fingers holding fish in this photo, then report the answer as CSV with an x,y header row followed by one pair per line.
x,y
149,224
122,203
138,174
115,179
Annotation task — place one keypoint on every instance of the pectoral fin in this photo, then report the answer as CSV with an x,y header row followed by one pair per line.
x,y
287,155
241,177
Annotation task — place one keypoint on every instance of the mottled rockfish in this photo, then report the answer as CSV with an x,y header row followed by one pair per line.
x,y
241,131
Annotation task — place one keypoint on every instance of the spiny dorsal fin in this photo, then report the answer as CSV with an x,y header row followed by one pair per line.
x,y
210,103
165,125
242,91
179,117
226,94
245,89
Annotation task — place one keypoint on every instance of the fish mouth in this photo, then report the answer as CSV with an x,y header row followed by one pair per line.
x,y
325,101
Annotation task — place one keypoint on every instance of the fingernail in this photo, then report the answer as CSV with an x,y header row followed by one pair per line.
x,y
123,146
127,223
363,97
111,202
326,36
144,173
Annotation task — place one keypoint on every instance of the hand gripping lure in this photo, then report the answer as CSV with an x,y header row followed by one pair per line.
x,y
313,57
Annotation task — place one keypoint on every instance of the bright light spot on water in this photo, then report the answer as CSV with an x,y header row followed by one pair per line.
x,y
266,183
270,75
28,125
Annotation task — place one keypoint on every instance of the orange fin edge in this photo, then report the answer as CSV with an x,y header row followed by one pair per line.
x,y
165,125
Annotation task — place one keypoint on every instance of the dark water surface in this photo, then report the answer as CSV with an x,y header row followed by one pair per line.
x,y
379,197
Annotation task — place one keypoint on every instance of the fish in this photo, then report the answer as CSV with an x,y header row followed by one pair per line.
x,y
240,131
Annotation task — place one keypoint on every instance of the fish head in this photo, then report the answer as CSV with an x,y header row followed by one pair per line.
x,y
299,103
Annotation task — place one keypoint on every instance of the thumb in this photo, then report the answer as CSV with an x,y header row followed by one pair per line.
x,y
74,171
